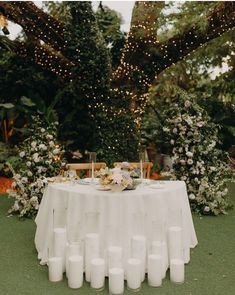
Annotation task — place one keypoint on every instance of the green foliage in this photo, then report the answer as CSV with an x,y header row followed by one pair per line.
x,y
109,23
9,154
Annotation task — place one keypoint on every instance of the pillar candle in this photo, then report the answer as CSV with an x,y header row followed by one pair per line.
x,y
157,249
114,257
71,249
116,281
55,268
97,273
133,274
177,271
60,240
155,270
175,242
91,252
75,273
138,250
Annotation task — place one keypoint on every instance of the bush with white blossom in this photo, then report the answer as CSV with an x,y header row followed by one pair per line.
x,y
196,157
41,158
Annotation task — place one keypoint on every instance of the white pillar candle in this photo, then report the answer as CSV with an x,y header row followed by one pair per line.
x,y
155,270
177,271
60,240
71,250
91,252
97,273
138,250
114,257
175,242
116,281
157,249
133,274
75,273
55,268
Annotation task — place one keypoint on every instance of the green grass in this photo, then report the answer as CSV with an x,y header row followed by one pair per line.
x,y
211,270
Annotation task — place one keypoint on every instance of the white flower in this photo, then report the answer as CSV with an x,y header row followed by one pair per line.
x,y
33,144
180,150
28,163
182,162
29,173
43,130
172,141
42,147
22,154
189,154
187,103
200,124
49,136
24,179
51,143
175,130
183,178
56,151
192,197
207,209
190,161
165,129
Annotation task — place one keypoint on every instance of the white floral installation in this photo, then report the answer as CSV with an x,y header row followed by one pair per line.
x,y
41,158
196,157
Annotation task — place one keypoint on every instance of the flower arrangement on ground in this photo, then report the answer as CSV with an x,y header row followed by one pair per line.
x,y
41,157
196,157
116,177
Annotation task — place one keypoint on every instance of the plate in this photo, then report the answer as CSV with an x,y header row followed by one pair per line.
x,y
103,188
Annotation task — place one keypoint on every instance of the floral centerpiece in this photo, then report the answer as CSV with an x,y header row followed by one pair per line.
x,y
117,179
133,170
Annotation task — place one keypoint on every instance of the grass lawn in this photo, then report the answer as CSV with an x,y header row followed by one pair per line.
x,y
211,270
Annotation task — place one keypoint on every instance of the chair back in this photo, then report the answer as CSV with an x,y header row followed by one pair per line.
x,y
78,167
146,167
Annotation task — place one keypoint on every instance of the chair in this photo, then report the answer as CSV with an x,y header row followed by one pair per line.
x,y
78,167
146,167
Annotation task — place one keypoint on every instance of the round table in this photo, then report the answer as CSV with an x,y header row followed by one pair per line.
x,y
116,217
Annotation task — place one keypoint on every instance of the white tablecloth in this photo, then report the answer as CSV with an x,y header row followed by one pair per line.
x,y
115,216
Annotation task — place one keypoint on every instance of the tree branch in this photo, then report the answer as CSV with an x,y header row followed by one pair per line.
x,y
159,56
35,21
41,55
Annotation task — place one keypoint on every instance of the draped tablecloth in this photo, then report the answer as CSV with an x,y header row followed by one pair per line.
x,y
115,216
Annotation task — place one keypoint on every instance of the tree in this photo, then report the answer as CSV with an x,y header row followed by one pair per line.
x,y
146,54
